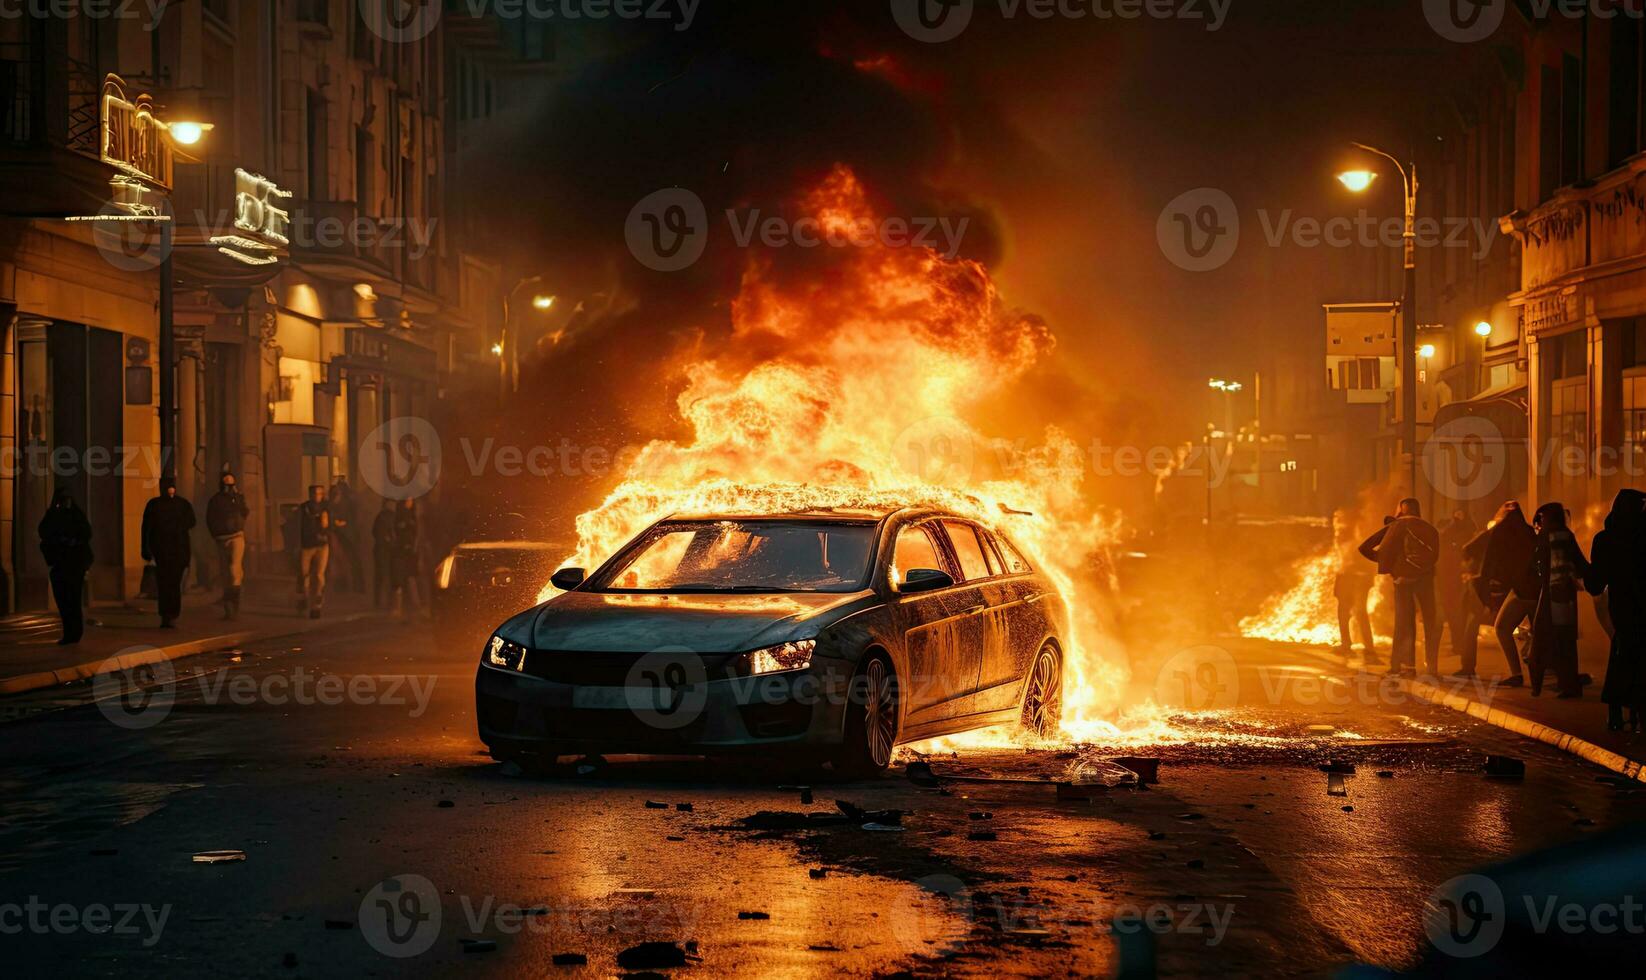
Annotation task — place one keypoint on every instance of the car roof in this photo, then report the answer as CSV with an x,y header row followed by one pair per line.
x,y
856,515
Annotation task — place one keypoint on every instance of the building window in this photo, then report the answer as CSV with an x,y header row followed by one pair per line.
x,y
1624,89
318,190
1560,125
1634,420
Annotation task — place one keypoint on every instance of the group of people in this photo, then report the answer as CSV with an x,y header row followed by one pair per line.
x,y
1510,573
321,524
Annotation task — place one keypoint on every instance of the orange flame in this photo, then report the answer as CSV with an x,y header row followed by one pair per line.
x,y
880,357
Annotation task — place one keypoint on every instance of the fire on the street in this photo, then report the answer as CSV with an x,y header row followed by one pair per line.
x,y
852,385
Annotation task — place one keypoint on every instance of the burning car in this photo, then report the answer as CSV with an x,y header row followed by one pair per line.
x,y
832,635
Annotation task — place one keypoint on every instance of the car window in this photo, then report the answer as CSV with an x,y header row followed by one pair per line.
x,y
1016,564
915,549
966,547
744,556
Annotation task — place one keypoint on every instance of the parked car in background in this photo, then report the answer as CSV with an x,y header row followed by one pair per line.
x,y
479,580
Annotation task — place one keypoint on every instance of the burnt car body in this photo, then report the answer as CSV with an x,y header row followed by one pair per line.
x,y
835,634
478,579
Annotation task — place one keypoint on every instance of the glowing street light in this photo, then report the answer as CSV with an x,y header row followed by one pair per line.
x,y
543,302
497,350
1356,180
1426,351
1483,329
188,132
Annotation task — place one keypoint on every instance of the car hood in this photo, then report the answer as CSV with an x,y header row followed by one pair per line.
x,y
621,623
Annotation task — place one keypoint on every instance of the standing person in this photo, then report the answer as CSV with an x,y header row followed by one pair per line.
x,y
383,555
1508,580
1479,601
1450,588
1352,588
167,521
226,514
340,504
65,543
405,555
1559,565
314,549
1406,549
1618,565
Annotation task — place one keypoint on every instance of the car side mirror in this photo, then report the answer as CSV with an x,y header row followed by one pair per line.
x,y
925,580
568,579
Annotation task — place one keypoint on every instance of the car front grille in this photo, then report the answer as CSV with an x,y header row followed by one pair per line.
x,y
588,669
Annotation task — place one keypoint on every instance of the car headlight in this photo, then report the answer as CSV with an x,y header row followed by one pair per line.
x,y
783,656
503,655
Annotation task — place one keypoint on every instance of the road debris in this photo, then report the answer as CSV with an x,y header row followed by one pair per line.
x,y
817,872
982,835
746,916
1147,769
857,814
1506,766
1339,766
980,815
569,959
219,857
478,945
655,955
882,827
655,805
1335,785
791,820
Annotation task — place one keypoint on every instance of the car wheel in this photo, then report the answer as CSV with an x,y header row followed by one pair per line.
x,y
1043,694
871,719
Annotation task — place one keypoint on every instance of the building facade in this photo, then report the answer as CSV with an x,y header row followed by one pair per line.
x,y
319,287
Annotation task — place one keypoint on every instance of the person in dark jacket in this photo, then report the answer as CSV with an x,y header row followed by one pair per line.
x,y
407,567
1618,567
226,514
167,521
1560,569
382,555
1406,549
314,544
1451,588
1352,588
1507,582
345,545
65,543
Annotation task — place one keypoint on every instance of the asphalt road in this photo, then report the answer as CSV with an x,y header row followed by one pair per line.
x,y
379,838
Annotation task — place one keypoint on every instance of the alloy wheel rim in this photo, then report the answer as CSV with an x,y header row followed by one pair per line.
x,y
1043,704
879,713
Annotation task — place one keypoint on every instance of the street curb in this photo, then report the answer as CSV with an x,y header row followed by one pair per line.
x,y
146,655
1566,742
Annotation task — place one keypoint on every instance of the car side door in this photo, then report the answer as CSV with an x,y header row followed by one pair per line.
x,y
940,669
1017,625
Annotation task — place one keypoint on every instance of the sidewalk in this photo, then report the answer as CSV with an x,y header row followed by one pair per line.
x,y
30,657
1577,726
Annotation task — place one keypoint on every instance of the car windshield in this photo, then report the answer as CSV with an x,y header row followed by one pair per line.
x,y
745,556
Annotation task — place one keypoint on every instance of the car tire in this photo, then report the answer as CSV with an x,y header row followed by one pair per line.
x,y
872,719
1042,712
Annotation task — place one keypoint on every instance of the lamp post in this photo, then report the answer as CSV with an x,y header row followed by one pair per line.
x,y
1360,180
508,347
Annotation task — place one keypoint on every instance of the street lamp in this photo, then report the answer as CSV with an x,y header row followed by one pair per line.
x,y
187,132
543,302
1357,180
1228,388
1483,329
1360,180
